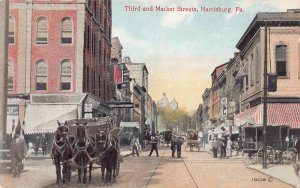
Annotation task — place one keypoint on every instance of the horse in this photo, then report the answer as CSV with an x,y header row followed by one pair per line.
x,y
61,152
108,154
84,152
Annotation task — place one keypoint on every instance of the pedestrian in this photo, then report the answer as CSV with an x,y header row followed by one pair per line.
x,y
37,145
13,126
297,147
134,145
173,145
18,150
240,146
154,146
223,147
215,145
229,147
287,140
44,144
179,142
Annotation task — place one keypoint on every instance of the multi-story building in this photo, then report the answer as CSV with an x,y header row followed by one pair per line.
x,y
216,93
283,57
206,98
57,51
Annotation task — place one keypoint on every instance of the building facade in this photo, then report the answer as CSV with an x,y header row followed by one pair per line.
x,y
58,49
283,60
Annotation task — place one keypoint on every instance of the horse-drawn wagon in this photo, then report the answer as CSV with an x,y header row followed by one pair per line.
x,y
277,147
192,140
80,143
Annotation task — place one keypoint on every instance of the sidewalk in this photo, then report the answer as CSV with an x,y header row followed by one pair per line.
x,y
284,173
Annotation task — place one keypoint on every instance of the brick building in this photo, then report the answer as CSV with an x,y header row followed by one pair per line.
x,y
58,49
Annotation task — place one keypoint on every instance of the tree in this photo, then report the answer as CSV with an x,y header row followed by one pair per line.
x,y
179,118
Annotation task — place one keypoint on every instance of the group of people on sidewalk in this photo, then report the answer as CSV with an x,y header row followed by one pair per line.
x,y
225,146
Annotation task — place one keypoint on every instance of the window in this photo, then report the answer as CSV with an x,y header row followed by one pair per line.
x,y
281,68
65,75
42,31
41,72
10,83
11,30
66,31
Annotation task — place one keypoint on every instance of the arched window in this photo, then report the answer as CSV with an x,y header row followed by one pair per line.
x,y
11,30
65,75
10,81
66,31
41,75
281,68
42,31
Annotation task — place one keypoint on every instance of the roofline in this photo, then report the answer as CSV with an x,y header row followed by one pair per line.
x,y
261,18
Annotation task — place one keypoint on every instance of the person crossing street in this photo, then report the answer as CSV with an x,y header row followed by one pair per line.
x,y
154,141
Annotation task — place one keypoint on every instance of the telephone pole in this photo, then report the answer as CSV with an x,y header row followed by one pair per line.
x,y
3,69
265,100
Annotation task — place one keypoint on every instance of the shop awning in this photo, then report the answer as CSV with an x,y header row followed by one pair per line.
x,y
249,116
43,118
278,114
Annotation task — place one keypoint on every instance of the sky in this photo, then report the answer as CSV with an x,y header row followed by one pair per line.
x,y
182,48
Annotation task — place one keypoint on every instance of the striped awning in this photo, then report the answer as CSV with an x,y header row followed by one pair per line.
x,y
284,114
249,116
277,114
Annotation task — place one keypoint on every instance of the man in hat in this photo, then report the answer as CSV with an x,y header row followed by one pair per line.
x,y
154,142
173,145
179,142
18,150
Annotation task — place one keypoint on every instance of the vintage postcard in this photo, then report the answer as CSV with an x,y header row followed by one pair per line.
x,y
150,93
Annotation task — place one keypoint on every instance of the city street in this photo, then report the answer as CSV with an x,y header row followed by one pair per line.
x,y
194,169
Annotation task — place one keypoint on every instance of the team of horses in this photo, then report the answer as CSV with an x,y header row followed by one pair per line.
x,y
82,150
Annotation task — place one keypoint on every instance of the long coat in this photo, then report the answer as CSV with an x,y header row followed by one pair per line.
x,y
18,148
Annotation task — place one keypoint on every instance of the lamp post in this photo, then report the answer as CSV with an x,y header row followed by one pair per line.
x,y
265,102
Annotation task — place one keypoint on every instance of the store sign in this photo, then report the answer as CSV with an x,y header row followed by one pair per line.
x,y
88,107
12,110
121,105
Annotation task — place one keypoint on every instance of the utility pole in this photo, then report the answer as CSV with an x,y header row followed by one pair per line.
x,y
3,69
265,101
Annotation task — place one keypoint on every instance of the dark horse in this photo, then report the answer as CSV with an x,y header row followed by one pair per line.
x,y
61,152
84,152
108,154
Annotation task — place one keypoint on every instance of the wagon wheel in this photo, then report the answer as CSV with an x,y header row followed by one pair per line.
x,y
270,155
288,157
248,159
